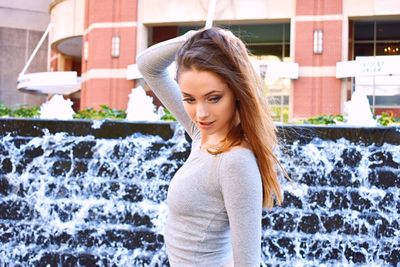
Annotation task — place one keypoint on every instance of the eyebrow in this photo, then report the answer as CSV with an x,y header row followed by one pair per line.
x,y
209,93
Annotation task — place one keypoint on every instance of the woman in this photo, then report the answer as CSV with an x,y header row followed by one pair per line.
x,y
215,199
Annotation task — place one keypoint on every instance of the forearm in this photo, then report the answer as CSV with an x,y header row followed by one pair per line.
x,y
154,60
153,64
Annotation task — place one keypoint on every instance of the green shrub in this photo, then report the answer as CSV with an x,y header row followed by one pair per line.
x,y
324,119
26,112
20,112
105,112
386,119
168,116
5,111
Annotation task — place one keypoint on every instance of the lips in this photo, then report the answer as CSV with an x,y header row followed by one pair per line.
x,y
204,124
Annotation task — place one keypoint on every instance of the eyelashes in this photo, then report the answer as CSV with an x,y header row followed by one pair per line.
x,y
188,100
214,99
211,99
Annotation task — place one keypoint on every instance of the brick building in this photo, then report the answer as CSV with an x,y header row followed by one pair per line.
x,y
99,39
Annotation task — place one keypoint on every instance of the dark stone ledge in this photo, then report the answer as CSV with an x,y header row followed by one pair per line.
x,y
120,129
358,135
107,129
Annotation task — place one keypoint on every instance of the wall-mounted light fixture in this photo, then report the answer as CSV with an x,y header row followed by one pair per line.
x,y
318,41
115,46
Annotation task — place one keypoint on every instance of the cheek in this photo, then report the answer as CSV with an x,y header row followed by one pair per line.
x,y
230,107
189,109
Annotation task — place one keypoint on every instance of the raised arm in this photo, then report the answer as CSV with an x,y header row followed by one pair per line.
x,y
241,187
153,63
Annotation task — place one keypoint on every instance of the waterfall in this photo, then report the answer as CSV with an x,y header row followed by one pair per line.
x,y
76,195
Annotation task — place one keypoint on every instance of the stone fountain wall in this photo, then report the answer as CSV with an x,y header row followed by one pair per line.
x,y
77,193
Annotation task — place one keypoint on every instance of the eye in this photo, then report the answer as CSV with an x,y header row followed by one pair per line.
x,y
188,100
214,99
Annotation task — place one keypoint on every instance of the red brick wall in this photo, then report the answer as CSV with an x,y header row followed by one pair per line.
x,y
317,96
111,92
332,43
314,94
108,90
110,10
100,48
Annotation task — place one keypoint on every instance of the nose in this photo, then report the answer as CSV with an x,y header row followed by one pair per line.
x,y
201,111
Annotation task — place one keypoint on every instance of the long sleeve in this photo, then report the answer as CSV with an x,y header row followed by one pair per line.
x,y
153,63
241,187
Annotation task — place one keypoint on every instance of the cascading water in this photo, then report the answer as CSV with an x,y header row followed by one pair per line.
x,y
342,208
68,200
78,199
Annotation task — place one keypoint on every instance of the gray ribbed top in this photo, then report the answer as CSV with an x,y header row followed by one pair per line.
x,y
214,202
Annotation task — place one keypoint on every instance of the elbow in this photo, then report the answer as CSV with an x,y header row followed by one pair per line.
x,y
146,65
140,63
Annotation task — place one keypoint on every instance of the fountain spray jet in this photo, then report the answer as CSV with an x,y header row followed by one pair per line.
x,y
210,13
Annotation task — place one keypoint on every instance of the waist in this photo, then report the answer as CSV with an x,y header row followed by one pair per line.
x,y
196,247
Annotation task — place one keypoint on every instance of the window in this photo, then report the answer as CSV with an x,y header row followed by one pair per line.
x,y
378,38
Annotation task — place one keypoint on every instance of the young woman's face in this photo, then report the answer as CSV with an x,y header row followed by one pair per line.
x,y
209,102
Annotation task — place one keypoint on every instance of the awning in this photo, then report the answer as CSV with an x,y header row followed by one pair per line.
x,y
379,75
60,82
369,66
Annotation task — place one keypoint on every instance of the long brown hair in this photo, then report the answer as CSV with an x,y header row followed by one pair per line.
x,y
222,53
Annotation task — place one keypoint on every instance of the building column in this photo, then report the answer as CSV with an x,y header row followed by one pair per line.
x,y
109,46
317,91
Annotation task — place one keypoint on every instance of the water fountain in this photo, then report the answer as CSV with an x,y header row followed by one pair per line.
x,y
57,108
140,106
75,195
358,110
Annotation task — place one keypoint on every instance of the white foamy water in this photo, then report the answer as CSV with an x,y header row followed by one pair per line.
x,y
57,108
76,200
358,110
141,107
